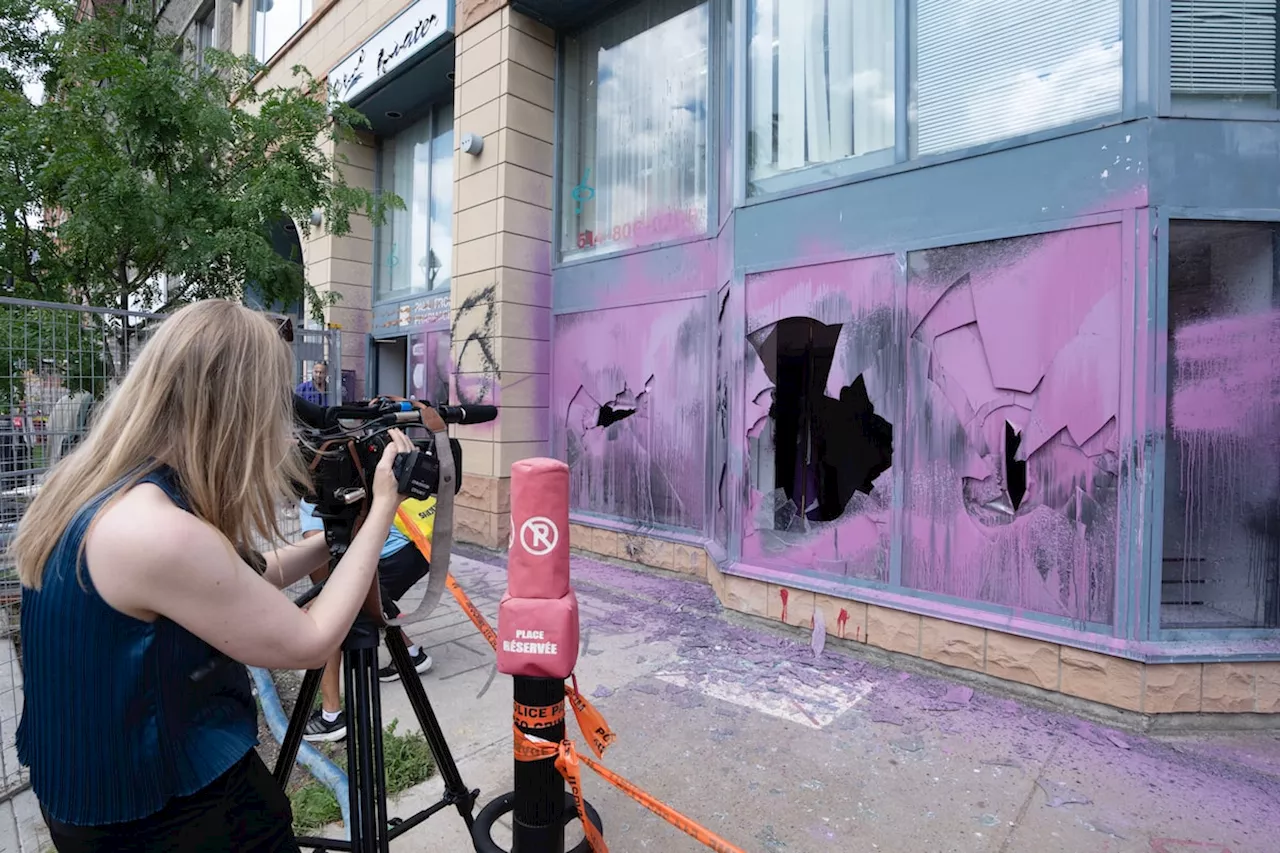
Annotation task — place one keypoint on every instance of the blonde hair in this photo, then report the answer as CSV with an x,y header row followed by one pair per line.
x,y
210,396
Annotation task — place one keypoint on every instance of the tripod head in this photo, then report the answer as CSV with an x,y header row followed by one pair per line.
x,y
342,445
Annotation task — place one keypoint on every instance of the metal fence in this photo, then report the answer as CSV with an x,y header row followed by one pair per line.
x,y
56,362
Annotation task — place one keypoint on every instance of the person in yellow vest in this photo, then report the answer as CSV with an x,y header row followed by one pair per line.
x,y
401,565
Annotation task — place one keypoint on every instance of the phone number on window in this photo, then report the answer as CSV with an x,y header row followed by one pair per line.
x,y
678,220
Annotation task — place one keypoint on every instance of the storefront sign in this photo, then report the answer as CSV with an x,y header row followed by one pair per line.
x,y
414,29
413,312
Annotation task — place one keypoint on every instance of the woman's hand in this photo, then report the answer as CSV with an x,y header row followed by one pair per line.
x,y
386,492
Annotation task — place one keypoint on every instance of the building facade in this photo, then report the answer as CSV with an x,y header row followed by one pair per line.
x,y
952,324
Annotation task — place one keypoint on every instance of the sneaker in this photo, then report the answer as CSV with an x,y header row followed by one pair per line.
x,y
320,729
421,664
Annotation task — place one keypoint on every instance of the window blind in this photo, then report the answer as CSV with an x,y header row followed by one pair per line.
x,y
1222,47
992,69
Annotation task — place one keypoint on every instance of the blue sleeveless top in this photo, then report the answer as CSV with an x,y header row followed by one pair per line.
x,y
113,724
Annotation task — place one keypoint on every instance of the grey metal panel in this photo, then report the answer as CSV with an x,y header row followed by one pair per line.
x,y
1225,165
647,276
566,14
1080,174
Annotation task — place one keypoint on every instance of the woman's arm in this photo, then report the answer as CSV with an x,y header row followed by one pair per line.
x,y
189,573
291,563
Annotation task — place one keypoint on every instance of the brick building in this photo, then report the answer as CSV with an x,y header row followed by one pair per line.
x,y
960,328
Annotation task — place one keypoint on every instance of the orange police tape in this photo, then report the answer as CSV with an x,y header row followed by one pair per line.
x,y
590,721
567,762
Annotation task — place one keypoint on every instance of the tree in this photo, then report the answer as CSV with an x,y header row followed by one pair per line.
x,y
150,168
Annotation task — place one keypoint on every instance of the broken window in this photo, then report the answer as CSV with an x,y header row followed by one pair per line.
x,y
1221,551
824,449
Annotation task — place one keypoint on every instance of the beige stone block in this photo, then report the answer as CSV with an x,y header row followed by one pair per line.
x,y
485,87
480,528
477,458
474,61
476,222
352,319
746,595
482,121
491,494
475,189
516,390
472,286
1266,678
512,425
854,624
350,272
524,287
530,52
1227,688
716,579
528,25
523,185
474,355
525,219
894,630
791,606
528,118
524,253
476,255
351,249
507,453
604,542
476,20
1102,678
690,560
580,537
1172,688
466,165
1023,660
525,151
953,644
505,320
646,550
528,85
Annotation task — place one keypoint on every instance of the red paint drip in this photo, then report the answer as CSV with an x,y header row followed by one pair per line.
x,y
783,594
842,620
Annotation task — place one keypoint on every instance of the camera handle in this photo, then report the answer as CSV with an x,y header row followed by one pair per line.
x,y
442,533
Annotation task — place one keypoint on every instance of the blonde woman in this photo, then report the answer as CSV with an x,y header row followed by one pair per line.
x,y
138,615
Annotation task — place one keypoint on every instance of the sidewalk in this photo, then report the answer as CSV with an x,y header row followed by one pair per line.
x,y
747,732
750,734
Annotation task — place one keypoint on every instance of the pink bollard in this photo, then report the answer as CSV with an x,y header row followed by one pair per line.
x,y
538,617
538,560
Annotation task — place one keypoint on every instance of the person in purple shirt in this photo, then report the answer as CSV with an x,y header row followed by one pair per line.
x,y
316,389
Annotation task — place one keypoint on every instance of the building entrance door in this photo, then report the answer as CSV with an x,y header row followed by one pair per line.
x,y
391,367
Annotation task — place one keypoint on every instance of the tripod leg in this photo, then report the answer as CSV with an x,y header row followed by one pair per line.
x,y
368,795
297,727
379,779
455,789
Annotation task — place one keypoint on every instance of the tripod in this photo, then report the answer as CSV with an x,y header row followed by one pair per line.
x,y
371,832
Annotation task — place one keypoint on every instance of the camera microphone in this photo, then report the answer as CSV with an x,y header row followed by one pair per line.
x,y
467,414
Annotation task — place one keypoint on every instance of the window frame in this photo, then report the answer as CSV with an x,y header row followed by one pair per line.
x,y
717,52
1163,14
253,33
1157,384
810,178
205,14
381,176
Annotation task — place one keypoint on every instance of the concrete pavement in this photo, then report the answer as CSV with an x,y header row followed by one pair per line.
x,y
752,734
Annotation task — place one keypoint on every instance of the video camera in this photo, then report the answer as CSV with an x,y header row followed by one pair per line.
x,y
342,446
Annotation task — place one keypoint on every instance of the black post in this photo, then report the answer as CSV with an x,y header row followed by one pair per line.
x,y
539,803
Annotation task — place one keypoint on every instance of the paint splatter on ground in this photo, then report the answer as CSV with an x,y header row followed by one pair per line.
x,y
913,762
